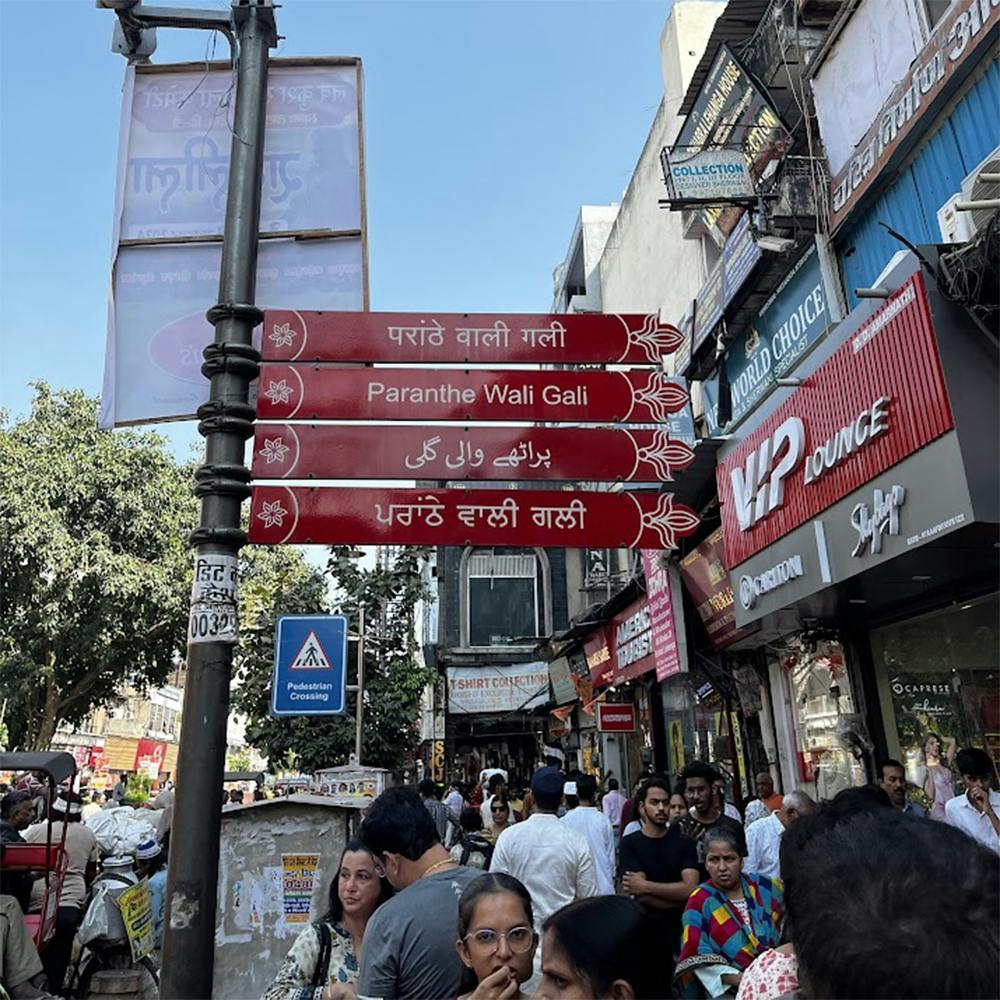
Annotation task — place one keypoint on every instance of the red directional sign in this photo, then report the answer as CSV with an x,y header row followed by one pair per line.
x,y
338,451
466,338
302,515
306,392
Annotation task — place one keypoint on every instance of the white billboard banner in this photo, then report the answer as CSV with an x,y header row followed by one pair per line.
x,y
172,181
161,294
497,689
711,173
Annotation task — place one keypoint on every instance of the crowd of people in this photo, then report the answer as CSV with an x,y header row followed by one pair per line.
x,y
860,896
490,892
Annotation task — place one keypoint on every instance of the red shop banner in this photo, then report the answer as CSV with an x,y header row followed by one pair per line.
x,y
148,753
662,622
612,718
337,451
880,397
703,571
597,649
285,515
467,338
311,392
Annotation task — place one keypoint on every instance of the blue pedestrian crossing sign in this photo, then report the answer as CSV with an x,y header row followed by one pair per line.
x,y
310,665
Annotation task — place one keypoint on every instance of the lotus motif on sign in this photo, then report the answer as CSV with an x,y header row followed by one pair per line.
x,y
656,339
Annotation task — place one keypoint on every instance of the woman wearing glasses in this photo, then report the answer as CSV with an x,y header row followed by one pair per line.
x,y
496,937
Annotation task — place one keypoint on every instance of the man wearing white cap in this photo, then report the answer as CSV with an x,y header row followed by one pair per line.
x,y
81,849
151,864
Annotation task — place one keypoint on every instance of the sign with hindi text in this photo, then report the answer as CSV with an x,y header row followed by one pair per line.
x,y
467,338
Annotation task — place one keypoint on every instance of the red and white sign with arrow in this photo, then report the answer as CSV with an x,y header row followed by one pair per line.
x,y
372,451
305,515
467,338
305,392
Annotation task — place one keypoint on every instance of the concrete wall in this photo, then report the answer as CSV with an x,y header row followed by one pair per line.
x,y
647,264
251,934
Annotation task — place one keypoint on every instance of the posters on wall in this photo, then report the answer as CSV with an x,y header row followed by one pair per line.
x,y
298,880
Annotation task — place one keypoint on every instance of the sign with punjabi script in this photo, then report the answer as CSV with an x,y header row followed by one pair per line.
x,y
297,515
453,338
172,175
497,689
475,452
307,392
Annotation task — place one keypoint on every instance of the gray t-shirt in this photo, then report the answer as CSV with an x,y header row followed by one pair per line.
x,y
409,946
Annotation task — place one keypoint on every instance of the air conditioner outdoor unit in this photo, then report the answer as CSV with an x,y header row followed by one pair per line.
x,y
956,227
960,221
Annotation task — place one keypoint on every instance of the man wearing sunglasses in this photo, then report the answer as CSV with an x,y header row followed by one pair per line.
x,y
409,943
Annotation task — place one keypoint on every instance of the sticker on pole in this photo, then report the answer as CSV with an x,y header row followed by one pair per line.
x,y
213,616
310,665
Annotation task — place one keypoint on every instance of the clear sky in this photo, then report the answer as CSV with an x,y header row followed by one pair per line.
x,y
487,125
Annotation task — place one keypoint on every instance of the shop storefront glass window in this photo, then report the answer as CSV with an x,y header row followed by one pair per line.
x,y
504,597
831,739
939,679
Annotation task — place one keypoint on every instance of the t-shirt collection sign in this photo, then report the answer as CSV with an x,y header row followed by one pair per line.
x,y
303,379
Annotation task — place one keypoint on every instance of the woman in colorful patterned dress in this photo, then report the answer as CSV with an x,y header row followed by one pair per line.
x,y
323,962
728,922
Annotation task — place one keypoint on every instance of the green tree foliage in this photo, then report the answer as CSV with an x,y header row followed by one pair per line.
x,y
394,680
94,568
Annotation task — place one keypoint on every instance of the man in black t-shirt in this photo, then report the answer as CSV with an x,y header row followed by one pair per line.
x,y
659,865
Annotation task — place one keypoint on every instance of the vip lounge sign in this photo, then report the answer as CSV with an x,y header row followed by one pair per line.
x,y
877,399
305,380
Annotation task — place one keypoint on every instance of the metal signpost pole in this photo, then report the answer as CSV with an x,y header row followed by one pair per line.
x,y
226,421
360,709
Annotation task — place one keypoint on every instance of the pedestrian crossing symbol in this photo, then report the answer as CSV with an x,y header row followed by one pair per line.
x,y
310,665
311,655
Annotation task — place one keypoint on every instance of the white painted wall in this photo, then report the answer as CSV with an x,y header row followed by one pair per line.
x,y
872,54
647,264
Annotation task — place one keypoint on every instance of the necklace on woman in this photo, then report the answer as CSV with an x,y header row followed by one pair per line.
x,y
438,864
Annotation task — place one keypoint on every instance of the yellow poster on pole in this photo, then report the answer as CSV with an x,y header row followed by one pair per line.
x,y
136,904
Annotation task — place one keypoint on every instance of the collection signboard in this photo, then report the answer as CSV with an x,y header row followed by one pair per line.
x,y
731,113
